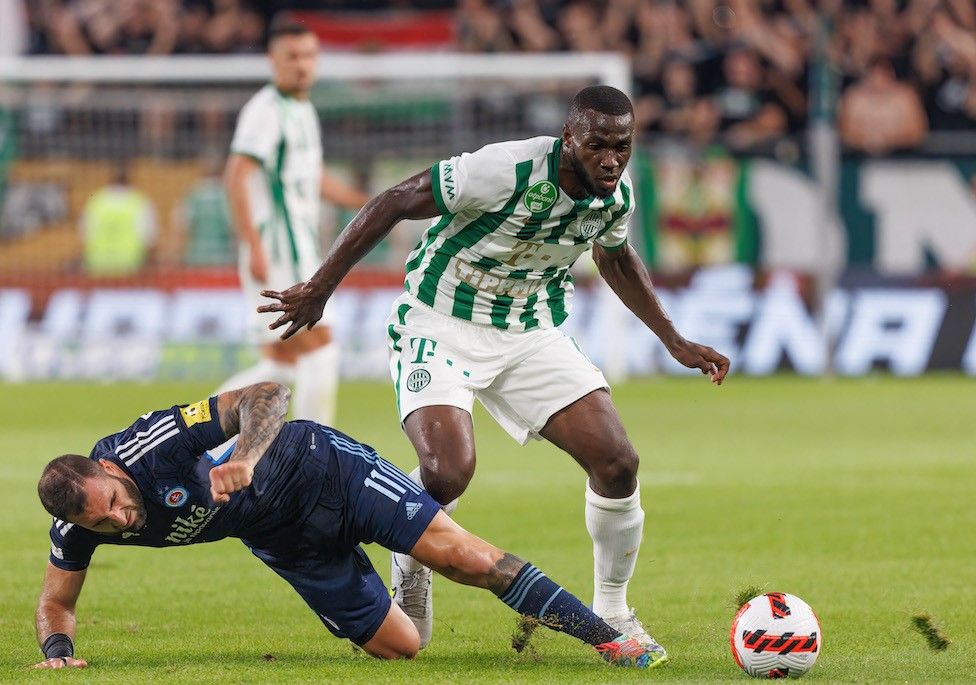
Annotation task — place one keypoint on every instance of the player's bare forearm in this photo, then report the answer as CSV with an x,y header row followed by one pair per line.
x,y
411,199
627,276
239,168
256,413
56,605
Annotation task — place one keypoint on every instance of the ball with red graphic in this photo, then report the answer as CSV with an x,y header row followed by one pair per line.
x,y
776,635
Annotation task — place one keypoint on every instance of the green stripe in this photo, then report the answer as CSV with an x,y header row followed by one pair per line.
x,y
464,296
534,223
395,338
435,184
501,306
625,194
564,223
553,169
470,235
527,317
557,297
278,193
486,263
432,234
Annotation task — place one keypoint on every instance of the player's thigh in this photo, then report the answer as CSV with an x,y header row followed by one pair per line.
x,y
443,437
375,500
552,376
340,586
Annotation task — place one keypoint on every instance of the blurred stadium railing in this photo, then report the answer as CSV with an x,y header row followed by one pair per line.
x,y
736,241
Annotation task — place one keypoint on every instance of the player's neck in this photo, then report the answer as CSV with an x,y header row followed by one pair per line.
x,y
293,94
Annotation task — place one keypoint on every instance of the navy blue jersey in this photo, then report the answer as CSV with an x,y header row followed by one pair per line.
x,y
169,455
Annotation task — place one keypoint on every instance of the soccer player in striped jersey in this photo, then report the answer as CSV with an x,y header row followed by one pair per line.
x,y
486,289
274,179
302,497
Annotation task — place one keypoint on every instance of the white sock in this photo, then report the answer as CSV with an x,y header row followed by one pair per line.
x,y
265,370
406,562
317,384
616,526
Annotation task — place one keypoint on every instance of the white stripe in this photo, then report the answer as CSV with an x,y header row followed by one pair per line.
x,y
63,527
144,433
370,483
162,438
389,469
141,435
392,471
147,436
393,484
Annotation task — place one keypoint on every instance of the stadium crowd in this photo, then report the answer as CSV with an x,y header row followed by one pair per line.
x,y
734,70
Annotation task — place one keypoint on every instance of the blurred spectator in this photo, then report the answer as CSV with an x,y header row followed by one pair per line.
x,y
879,114
746,113
481,28
13,28
203,219
118,226
114,27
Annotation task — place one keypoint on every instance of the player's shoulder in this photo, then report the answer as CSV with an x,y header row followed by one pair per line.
x,y
265,99
515,151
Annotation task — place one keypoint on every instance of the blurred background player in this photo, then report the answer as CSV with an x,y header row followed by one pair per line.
x,y
274,179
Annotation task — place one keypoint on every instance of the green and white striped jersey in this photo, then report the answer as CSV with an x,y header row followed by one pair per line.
x,y
282,135
501,251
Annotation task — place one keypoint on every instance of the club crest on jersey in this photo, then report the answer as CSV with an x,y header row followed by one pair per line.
x,y
175,497
418,380
540,197
590,226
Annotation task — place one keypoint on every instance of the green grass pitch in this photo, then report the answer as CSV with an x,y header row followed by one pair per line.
x,y
856,495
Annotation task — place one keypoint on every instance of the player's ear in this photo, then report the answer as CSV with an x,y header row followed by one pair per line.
x,y
110,468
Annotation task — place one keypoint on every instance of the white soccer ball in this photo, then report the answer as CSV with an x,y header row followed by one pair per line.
x,y
775,635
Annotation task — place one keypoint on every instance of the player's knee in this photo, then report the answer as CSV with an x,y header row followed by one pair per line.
x,y
615,472
445,479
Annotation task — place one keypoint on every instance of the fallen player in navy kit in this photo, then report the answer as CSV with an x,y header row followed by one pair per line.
x,y
302,497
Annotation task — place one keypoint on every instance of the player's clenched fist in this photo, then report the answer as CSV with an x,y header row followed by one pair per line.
x,y
228,478
62,662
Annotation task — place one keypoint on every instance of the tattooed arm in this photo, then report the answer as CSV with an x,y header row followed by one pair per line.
x,y
256,413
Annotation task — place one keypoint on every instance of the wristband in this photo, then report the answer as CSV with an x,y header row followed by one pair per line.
x,y
58,645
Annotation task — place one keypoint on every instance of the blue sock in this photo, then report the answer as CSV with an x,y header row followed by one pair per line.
x,y
533,594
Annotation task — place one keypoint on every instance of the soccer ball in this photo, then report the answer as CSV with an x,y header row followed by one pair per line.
x,y
775,635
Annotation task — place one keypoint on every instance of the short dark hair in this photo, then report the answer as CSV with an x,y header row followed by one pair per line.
x,y
284,25
61,487
603,99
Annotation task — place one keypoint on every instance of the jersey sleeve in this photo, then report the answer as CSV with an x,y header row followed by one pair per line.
x,y
483,180
614,236
258,131
71,546
172,437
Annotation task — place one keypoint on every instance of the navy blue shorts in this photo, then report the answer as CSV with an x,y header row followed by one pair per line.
x,y
365,499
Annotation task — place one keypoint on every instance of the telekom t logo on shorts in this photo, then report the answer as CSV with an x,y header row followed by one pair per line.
x,y
424,349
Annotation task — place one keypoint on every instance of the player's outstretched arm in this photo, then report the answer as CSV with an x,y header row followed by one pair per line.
x,y
55,617
627,276
302,304
256,413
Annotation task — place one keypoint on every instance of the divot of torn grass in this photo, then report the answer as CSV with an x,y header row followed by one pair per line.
x,y
525,626
927,625
745,594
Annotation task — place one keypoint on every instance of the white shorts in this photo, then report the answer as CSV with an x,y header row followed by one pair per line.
x,y
522,378
280,277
